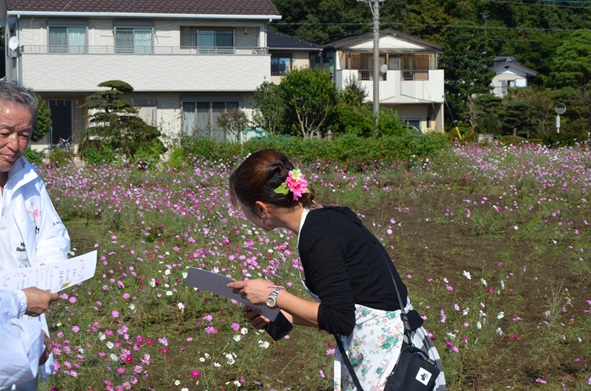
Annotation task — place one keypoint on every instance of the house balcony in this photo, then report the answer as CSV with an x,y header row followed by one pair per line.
x,y
148,69
397,86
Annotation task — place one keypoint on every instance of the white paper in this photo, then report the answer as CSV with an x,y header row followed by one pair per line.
x,y
217,283
56,276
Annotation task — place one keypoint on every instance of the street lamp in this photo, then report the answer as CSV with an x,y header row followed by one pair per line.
x,y
560,108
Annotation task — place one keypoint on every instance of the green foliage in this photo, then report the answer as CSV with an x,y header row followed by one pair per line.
x,y
99,155
466,61
268,108
189,148
358,152
233,121
516,118
43,121
572,61
353,119
309,96
60,157
115,127
389,124
37,158
489,123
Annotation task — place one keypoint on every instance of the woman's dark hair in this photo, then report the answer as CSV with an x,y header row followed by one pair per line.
x,y
257,178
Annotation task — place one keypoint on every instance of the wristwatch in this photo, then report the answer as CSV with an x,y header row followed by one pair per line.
x,y
272,298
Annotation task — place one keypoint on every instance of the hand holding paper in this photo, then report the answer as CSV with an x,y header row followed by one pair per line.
x,y
217,283
55,276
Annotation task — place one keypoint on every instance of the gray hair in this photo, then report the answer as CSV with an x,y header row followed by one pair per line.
x,y
14,93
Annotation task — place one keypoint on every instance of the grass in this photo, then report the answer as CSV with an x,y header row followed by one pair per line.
x,y
492,242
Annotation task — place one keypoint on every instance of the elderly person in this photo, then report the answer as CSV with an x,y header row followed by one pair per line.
x,y
24,343
31,232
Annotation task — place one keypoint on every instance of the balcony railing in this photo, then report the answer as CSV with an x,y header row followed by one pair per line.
x,y
365,74
415,74
175,50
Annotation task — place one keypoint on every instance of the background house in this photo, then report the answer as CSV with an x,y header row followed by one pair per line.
x,y
409,81
509,74
188,61
289,52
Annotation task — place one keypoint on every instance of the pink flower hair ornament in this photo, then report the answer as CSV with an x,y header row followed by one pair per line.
x,y
294,183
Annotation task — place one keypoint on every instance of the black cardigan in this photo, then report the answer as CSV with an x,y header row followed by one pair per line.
x,y
344,265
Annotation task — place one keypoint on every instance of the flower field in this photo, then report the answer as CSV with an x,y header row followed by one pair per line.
x,y
493,242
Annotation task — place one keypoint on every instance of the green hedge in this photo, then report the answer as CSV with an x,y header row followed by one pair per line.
x,y
349,149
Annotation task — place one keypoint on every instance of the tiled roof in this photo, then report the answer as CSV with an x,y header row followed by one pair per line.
x,y
277,40
429,46
221,7
509,62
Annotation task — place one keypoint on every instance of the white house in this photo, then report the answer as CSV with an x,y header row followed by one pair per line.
x,y
409,82
188,61
509,74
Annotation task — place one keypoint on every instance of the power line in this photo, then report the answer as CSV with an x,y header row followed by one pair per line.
x,y
453,26
554,4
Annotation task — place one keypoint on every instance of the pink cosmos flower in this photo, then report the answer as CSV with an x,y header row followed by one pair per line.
x,y
296,183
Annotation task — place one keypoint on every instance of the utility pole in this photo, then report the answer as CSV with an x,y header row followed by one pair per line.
x,y
375,10
376,60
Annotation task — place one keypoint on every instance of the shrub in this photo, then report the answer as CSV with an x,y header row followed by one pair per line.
x,y
35,157
99,156
60,157
357,152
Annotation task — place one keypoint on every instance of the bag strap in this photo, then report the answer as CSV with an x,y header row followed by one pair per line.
x,y
348,363
407,329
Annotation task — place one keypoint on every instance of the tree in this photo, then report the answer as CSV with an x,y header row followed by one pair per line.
x,y
268,108
233,121
467,63
43,121
572,62
310,96
115,126
516,119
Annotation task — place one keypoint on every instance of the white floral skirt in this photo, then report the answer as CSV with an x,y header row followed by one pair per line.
x,y
373,349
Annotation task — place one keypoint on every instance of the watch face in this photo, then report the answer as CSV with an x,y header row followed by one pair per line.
x,y
271,302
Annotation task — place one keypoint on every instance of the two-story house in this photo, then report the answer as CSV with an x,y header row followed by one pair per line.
x,y
188,61
409,80
509,74
289,53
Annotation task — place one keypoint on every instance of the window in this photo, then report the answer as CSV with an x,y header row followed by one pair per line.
x,y
135,40
201,118
67,39
280,64
215,41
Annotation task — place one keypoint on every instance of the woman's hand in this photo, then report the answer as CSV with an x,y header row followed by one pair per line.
x,y
256,291
255,318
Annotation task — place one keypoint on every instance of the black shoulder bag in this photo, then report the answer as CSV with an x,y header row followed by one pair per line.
x,y
415,371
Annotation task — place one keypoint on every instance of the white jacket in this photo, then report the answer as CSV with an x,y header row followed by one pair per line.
x,y
27,207
21,340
